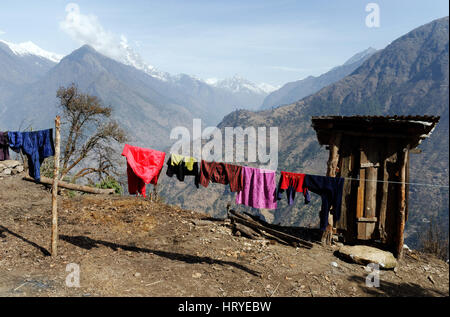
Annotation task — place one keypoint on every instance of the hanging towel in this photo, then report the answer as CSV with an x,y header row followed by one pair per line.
x,y
36,145
4,146
181,167
259,188
330,190
176,159
222,173
292,183
143,167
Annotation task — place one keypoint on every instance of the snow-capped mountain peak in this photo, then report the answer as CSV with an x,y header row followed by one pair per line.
x,y
29,48
131,58
268,88
238,84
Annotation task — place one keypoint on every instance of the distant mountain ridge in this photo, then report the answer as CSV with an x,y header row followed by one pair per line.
x,y
299,89
26,64
28,84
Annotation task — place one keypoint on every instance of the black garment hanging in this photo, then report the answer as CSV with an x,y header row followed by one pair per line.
x,y
330,190
181,170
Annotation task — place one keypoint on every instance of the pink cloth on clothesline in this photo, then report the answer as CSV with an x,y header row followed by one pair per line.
x,y
259,188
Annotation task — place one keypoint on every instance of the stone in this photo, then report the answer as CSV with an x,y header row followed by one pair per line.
x,y
364,255
200,222
6,171
10,163
19,169
266,215
196,275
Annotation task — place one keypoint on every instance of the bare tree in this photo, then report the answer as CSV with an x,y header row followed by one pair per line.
x,y
89,134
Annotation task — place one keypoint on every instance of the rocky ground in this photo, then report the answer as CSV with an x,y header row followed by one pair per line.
x,y
128,246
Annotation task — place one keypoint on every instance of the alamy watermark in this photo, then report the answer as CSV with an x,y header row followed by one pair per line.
x,y
73,278
373,18
262,148
373,278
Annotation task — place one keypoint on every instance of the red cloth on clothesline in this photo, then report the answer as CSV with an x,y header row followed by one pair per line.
x,y
143,167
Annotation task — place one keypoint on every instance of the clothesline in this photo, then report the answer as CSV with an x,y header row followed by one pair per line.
x,y
371,180
394,182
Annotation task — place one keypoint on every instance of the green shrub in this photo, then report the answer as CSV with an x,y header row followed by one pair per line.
x,y
110,182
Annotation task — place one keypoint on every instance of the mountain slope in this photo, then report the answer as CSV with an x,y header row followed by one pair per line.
x,y
20,66
410,76
128,246
147,106
297,90
137,99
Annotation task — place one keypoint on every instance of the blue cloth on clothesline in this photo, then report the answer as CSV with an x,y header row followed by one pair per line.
x,y
36,145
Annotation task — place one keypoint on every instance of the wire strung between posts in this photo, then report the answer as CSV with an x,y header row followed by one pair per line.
x,y
372,180
394,182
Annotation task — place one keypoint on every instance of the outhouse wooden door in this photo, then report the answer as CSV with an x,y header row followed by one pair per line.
x,y
366,203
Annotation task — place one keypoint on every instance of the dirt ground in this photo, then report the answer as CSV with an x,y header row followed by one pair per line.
x,y
128,246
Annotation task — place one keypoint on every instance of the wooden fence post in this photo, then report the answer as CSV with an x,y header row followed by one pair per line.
x,y
55,189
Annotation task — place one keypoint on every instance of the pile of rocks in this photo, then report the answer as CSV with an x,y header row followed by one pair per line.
x,y
10,167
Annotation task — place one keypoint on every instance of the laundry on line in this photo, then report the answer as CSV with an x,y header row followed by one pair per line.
x,y
36,145
254,187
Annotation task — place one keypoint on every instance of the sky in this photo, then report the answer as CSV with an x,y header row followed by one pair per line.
x,y
272,42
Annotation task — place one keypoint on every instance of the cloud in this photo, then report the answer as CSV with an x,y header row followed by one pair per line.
x,y
86,29
2,32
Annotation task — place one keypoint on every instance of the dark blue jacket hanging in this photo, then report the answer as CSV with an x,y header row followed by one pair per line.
x,y
330,190
36,145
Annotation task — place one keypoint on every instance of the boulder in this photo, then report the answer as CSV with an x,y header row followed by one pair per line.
x,y
364,255
9,164
6,171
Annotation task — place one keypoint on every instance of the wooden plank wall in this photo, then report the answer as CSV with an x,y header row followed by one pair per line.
x,y
348,168
382,201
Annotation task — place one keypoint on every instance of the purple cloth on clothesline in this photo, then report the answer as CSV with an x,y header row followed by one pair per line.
x,y
259,188
4,146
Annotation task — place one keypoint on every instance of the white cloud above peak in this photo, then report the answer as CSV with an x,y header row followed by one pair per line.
x,y
87,29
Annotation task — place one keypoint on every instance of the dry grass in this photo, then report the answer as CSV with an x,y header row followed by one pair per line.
x,y
119,214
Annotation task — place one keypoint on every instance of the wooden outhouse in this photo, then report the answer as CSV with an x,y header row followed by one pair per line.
x,y
372,154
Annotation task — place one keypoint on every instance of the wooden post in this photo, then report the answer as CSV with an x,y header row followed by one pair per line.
x,y
55,189
155,193
333,158
332,165
361,226
402,203
383,203
389,157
